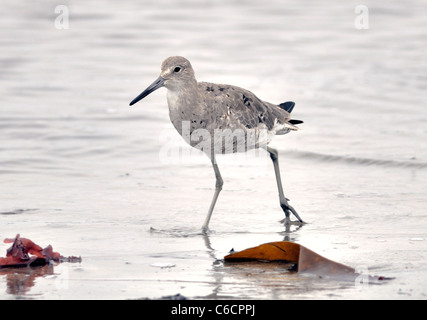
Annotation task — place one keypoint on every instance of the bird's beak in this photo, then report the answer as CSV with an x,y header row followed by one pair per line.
x,y
152,87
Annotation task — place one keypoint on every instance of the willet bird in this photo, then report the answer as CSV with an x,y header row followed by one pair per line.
x,y
201,112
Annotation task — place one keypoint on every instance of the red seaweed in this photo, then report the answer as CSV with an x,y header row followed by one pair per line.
x,y
25,252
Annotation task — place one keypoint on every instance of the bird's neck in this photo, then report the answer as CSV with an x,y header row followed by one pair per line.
x,y
180,99
184,105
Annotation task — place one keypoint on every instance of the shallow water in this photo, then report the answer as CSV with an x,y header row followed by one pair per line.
x,y
82,171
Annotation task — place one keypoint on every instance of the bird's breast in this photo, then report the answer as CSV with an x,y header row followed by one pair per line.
x,y
185,111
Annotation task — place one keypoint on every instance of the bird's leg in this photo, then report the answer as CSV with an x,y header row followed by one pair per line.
x,y
218,188
274,155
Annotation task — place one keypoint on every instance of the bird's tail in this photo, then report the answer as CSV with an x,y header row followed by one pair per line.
x,y
289,106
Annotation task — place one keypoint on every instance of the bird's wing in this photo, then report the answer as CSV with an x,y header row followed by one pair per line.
x,y
236,107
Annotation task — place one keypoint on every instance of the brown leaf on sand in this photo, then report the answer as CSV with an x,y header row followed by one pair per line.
x,y
307,261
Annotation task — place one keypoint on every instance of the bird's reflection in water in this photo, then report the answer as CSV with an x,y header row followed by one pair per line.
x,y
289,234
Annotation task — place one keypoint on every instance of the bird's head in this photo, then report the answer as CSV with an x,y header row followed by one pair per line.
x,y
176,73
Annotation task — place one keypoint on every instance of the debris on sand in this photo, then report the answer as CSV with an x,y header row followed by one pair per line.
x,y
306,260
25,252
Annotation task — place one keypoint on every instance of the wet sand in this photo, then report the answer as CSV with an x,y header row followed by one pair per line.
x,y
82,171
127,255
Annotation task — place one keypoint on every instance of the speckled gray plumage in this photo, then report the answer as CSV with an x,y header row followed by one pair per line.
x,y
236,107
206,114
213,106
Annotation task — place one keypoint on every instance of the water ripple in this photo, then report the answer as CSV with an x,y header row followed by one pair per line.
x,y
412,164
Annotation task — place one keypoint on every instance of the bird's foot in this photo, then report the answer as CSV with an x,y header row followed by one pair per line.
x,y
206,231
288,209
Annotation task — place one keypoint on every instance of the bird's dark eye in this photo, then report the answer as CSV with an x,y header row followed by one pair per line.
x,y
177,69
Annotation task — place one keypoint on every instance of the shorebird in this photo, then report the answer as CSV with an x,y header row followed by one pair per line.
x,y
201,112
